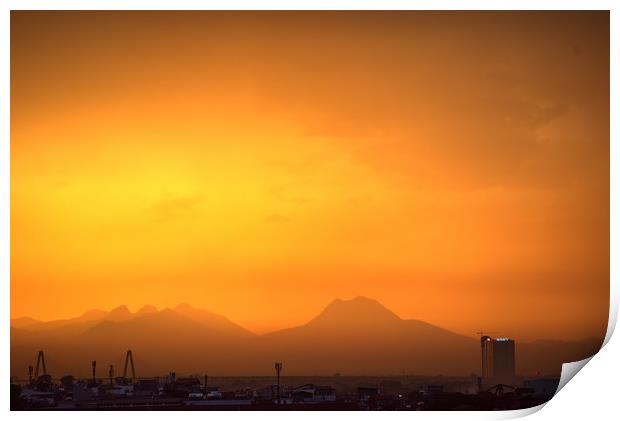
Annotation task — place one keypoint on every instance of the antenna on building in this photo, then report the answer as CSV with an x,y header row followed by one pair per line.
x,y
111,373
41,361
278,367
30,371
129,360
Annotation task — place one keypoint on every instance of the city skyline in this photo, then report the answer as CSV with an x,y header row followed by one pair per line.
x,y
363,337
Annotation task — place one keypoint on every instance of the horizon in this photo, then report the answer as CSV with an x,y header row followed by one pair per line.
x,y
360,326
136,312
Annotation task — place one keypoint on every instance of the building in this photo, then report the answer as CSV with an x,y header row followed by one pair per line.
x,y
504,360
486,345
310,393
146,387
366,393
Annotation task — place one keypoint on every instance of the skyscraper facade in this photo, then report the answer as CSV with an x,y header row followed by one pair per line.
x,y
504,360
486,344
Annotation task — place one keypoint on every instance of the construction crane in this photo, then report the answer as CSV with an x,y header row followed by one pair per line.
x,y
129,360
40,361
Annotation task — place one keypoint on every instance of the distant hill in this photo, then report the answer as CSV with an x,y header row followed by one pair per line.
x,y
23,322
214,321
360,336
146,309
119,314
353,337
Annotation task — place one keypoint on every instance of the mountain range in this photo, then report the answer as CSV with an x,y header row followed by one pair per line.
x,y
353,337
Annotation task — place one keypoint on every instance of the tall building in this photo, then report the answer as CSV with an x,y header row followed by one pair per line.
x,y
504,360
486,345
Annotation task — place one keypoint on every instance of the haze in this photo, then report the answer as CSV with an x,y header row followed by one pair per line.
x,y
454,166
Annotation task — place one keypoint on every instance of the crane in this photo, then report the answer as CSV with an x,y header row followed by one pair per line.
x,y
129,360
40,361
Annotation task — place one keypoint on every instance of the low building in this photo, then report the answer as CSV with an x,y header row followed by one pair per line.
x,y
146,387
83,391
310,393
119,390
365,393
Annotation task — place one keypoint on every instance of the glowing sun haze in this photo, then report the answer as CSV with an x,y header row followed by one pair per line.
x,y
453,166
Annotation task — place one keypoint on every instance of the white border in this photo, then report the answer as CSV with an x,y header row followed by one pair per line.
x,y
592,394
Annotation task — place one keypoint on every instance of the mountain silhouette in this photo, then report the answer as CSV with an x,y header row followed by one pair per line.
x,y
119,314
22,322
355,337
82,320
360,336
214,321
147,309
90,315
352,314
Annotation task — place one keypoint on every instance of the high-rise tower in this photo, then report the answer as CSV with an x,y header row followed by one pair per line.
x,y
504,360
486,345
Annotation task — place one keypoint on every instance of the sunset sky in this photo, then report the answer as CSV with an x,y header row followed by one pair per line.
x,y
453,166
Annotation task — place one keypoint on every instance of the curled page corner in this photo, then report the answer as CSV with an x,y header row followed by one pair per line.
x,y
521,413
569,370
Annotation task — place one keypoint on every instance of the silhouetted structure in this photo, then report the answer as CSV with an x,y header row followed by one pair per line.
x,y
278,367
498,358
486,345
504,359
129,359
40,361
410,393
94,366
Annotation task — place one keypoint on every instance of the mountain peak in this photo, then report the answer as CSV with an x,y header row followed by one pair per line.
x,y
183,306
358,303
93,314
358,310
21,322
147,308
119,313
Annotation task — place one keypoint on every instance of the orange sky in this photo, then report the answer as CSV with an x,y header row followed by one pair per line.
x,y
453,166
